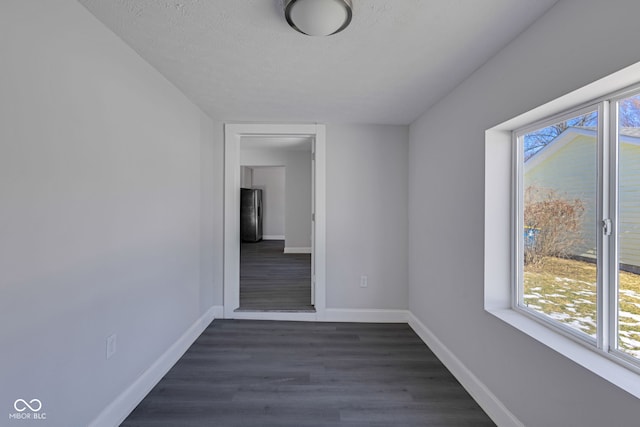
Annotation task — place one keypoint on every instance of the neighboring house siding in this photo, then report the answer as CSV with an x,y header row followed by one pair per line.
x,y
629,181
570,168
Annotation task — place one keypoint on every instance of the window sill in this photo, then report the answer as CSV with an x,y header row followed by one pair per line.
x,y
584,356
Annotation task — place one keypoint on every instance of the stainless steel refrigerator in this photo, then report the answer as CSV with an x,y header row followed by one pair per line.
x,y
250,215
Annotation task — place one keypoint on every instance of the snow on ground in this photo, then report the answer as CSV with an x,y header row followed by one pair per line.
x,y
635,317
630,343
565,306
569,280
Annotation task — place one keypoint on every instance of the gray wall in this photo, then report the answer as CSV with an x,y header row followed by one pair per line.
x,y
574,44
297,189
271,180
107,209
367,216
246,177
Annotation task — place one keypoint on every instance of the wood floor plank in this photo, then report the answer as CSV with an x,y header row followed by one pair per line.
x,y
271,280
306,374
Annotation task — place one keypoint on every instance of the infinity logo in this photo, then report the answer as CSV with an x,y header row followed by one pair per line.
x,y
21,405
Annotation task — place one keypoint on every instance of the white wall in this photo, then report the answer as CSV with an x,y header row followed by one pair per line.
x,y
110,200
246,177
557,54
297,189
298,200
271,180
367,216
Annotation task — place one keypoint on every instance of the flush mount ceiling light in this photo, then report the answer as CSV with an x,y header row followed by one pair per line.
x,y
318,17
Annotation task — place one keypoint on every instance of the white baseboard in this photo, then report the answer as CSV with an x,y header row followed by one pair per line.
x,y
274,237
366,315
116,412
218,311
480,393
297,250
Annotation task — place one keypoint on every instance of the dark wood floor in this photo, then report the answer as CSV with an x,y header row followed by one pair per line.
x,y
271,280
286,374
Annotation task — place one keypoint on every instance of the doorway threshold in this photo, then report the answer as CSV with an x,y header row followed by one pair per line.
x,y
295,315
276,310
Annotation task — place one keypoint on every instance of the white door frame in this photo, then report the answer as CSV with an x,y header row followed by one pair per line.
x,y
232,136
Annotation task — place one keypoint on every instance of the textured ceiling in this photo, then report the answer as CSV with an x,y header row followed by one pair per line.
x,y
239,61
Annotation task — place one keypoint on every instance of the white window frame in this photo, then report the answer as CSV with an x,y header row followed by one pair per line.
x,y
517,220
501,244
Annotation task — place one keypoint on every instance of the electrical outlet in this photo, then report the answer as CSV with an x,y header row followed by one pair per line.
x,y
364,281
111,345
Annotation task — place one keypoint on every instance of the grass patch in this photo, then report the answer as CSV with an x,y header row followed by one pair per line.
x,y
565,290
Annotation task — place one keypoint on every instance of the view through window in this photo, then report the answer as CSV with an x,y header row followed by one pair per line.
x,y
569,214
628,322
559,217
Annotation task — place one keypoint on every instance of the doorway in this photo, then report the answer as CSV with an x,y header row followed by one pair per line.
x,y
275,247
262,134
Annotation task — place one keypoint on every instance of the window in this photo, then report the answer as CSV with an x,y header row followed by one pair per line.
x,y
576,224
603,336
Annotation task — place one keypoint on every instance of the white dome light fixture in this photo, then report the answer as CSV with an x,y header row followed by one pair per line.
x,y
318,17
